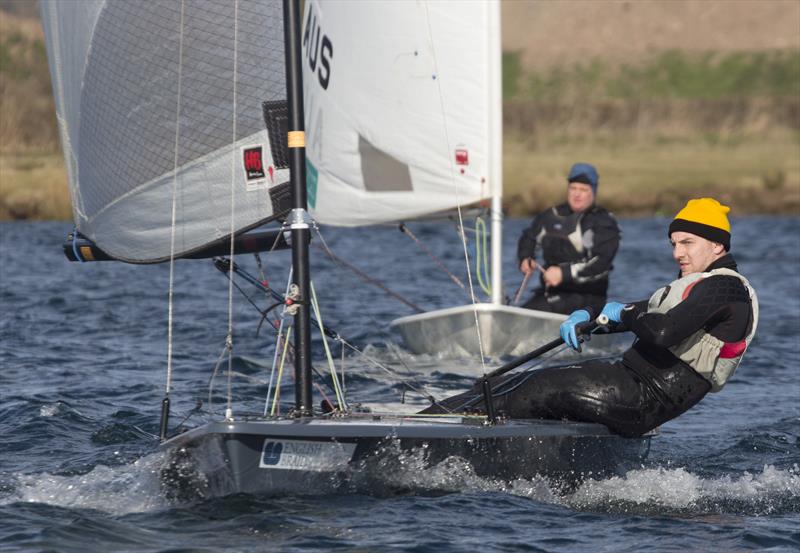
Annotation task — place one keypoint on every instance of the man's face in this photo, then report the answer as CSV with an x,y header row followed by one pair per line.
x,y
693,253
579,196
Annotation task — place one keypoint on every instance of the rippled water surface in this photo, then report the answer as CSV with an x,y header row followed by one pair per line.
x,y
83,350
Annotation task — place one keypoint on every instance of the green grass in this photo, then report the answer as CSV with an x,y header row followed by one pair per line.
x,y
512,73
670,74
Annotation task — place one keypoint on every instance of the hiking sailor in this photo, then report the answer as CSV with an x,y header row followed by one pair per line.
x,y
578,240
691,336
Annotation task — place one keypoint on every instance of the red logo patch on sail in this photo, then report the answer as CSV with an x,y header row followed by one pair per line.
x,y
462,156
254,163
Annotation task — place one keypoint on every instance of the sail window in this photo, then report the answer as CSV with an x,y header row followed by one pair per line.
x,y
382,172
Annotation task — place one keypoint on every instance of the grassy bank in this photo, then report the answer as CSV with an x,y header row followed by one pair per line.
x,y
670,126
637,177
27,110
668,74
34,186
645,177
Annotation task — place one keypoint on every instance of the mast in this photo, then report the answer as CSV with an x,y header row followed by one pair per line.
x,y
298,218
496,149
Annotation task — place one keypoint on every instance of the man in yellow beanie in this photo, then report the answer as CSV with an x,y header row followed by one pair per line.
x,y
691,336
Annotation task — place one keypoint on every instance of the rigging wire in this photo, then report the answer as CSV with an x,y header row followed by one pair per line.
x,y
473,299
420,389
278,343
407,231
280,373
282,345
331,366
416,387
214,375
361,273
229,338
170,302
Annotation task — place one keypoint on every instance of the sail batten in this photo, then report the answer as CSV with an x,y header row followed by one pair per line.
x,y
115,67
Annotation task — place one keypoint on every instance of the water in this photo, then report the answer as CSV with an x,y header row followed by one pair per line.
x,y
83,370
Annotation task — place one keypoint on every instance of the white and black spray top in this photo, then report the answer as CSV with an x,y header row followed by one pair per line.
x,y
582,244
716,309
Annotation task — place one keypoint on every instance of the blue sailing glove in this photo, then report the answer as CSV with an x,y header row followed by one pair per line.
x,y
567,329
613,310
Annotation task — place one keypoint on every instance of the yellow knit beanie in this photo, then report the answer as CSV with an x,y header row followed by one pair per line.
x,y
704,217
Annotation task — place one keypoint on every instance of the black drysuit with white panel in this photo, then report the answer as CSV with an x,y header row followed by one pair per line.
x,y
583,245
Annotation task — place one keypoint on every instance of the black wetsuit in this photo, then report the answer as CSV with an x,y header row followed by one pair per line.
x,y
648,386
584,268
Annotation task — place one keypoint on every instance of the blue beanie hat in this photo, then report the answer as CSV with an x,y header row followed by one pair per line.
x,y
585,173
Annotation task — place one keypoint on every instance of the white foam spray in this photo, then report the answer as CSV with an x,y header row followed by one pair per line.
x,y
117,490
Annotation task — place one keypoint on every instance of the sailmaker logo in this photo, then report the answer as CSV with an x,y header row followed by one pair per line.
x,y
272,453
306,455
254,163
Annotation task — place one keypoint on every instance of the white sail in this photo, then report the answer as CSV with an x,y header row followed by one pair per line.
x,y
162,99
397,107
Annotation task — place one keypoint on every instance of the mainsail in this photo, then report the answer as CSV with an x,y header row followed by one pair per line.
x,y
397,108
160,104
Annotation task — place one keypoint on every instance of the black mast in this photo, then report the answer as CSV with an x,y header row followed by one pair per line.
x,y
298,218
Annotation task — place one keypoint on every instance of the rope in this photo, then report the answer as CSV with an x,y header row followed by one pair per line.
x,y
170,308
277,345
331,366
79,258
280,373
361,273
473,299
338,379
481,249
405,230
341,370
419,388
214,375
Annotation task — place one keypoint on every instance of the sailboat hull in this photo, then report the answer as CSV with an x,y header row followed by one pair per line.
x,y
504,330
378,454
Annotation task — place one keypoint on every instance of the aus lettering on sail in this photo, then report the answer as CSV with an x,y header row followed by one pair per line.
x,y
318,48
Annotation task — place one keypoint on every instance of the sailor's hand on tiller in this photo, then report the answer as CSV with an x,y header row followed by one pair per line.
x,y
613,310
568,332
527,265
553,276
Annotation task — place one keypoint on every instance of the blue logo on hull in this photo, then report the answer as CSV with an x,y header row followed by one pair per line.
x,y
272,453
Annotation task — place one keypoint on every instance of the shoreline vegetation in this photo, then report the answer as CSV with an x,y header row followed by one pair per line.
x,y
670,126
